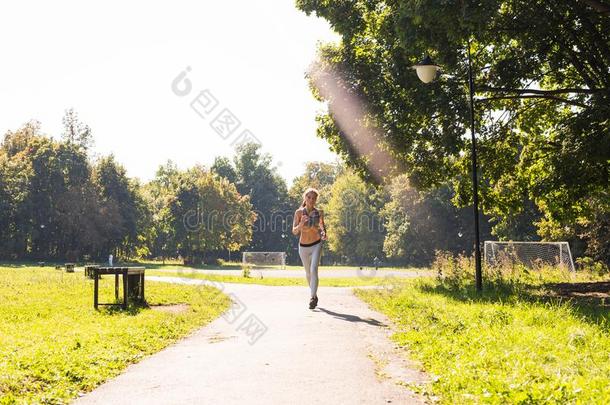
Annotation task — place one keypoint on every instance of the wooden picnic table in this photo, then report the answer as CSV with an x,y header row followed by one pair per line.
x,y
133,274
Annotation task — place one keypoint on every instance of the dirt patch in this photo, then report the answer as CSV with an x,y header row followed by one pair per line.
x,y
171,308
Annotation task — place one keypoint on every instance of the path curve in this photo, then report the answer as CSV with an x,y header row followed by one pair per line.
x,y
269,348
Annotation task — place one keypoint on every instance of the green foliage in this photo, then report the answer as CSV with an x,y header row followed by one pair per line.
x,y
76,132
420,222
206,213
355,228
246,269
57,205
158,194
457,273
544,133
123,198
268,193
54,345
14,176
319,175
588,265
223,167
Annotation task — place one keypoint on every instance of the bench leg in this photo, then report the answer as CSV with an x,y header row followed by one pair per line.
x,y
95,289
142,285
116,288
124,290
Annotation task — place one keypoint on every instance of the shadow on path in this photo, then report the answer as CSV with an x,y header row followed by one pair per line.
x,y
353,318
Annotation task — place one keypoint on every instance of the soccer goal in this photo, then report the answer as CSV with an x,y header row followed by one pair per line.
x,y
529,253
264,258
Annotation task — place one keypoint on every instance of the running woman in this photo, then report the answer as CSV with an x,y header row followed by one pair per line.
x,y
309,223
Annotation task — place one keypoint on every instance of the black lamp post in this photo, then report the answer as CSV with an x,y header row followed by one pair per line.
x,y
427,72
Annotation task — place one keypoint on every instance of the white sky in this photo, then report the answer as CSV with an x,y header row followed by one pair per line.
x,y
114,63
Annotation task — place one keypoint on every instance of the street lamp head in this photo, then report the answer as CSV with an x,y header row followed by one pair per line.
x,y
426,70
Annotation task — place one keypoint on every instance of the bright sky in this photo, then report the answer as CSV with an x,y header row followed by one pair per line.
x,y
114,63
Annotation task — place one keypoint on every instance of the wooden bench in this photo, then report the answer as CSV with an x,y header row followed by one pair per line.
x,y
133,280
89,270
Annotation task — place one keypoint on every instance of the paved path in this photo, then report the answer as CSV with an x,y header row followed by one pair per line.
x,y
338,353
322,273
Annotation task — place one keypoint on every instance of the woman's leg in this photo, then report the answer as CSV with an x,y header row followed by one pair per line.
x,y
315,261
305,253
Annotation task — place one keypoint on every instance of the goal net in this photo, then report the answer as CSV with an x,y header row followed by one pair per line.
x,y
265,258
529,253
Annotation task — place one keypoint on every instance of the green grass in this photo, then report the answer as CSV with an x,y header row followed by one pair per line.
x,y
511,344
53,344
275,281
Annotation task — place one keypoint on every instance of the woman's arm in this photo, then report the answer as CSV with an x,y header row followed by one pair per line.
x,y
322,226
296,224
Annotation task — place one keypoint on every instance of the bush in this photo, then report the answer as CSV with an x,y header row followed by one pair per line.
x,y
246,268
453,271
587,264
457,272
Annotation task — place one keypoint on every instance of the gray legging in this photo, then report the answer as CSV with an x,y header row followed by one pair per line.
x,y
310,256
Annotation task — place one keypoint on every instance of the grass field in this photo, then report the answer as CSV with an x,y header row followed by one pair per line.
x,y
515,343
53,344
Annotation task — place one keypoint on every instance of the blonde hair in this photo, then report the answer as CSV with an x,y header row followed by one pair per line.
x,y
309,190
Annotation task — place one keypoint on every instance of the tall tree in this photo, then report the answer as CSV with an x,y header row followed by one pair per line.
x,y
355,228
421,222
541,66
159,194
257,178
208,214
319,175
46,188
14,175
121,195
75,131
223,167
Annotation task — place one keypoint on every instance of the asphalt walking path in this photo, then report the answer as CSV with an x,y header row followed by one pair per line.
x,y
270,348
